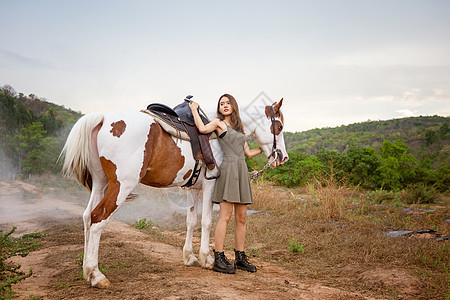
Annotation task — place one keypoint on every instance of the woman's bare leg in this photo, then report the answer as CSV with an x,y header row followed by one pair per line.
x,y
240,212
226,210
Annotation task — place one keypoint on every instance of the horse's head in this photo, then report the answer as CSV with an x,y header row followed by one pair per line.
x,y
269,134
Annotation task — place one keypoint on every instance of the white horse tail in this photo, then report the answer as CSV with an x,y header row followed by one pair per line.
x,y
78,148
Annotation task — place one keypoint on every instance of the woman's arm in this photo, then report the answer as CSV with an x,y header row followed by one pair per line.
x,y
210,127
253,152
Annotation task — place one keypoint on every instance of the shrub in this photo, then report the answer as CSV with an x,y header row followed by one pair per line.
x,y
144,224
295,246
381,196
421,193
11,274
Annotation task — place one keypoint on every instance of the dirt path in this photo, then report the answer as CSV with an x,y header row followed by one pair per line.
x,y
142,268
139,265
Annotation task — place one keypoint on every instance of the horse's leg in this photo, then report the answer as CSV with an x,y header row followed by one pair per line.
x,y
115,195
191,221
100,217
205,257
98,188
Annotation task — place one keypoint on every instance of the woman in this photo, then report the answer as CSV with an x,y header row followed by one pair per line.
x,y
232,189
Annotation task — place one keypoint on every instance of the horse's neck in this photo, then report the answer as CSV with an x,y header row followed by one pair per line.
x,y
251,115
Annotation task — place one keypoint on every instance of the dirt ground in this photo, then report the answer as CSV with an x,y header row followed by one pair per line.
x,y
139,264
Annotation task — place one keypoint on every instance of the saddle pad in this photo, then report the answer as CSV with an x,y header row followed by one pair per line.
x,y
170,129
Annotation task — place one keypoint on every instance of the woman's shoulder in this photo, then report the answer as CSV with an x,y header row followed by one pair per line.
x,y
220,123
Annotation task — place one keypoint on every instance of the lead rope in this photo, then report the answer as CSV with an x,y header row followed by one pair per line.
x,y
254,175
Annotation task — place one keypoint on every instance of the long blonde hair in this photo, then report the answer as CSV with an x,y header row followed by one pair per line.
x,y
236,122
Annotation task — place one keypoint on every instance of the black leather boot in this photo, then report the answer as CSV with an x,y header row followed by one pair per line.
x,y
221,264
241,262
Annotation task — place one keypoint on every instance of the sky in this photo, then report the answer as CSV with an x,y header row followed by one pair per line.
x,y
334,62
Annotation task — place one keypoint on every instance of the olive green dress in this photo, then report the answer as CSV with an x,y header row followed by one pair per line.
x,y
233,185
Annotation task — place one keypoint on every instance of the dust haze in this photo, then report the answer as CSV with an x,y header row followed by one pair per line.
x,y
25,204
7,168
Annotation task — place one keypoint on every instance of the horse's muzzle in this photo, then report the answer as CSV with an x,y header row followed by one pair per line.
x,y
278,158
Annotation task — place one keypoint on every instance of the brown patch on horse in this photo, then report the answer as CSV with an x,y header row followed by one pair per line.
x,y
108,204
277,114
278,127
118,128
276,110
186,176
162,158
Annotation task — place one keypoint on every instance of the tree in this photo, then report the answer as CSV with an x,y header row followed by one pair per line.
x,y
9,90
50,122
27,146
333,163
397,165
361,166
443,130
297,171
430,137
43,158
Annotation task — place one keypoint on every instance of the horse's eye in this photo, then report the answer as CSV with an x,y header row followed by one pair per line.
x,y
280,128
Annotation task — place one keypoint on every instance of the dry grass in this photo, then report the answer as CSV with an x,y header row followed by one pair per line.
x,y
344,240
342,234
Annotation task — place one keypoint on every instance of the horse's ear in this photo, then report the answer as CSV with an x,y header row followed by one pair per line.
x,y
277,107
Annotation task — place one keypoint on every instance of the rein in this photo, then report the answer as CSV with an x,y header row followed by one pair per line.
x,y
272,118
254,175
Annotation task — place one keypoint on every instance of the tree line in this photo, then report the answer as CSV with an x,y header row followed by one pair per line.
x,y
426,137
391,167
413,151
390,155
32,132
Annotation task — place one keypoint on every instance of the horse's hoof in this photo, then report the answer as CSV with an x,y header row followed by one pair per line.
x,y
209,264
193,263
103,284
191,260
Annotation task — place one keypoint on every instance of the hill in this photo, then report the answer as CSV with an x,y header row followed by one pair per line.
x,y
393,154
32,133
423,136
390,155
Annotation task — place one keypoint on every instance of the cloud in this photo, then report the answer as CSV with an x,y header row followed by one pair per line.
x,y
405,113
13,59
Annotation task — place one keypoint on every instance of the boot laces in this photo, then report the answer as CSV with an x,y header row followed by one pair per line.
x,y
224,259
244,258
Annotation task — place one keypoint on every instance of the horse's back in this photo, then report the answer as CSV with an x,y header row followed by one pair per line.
x,y
135,143
121,140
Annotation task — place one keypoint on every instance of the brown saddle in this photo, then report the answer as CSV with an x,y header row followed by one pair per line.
x,y
179,122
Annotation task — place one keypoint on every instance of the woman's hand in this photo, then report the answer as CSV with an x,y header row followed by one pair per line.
x,y
249,153
193,106
210,127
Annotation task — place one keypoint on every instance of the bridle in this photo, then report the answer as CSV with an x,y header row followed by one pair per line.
x,y
275,152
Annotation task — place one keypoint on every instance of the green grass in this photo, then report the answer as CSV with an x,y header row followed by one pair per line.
x,y
295,246
144,224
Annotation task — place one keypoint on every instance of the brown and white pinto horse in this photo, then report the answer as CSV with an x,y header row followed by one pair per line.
x,y
111,153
